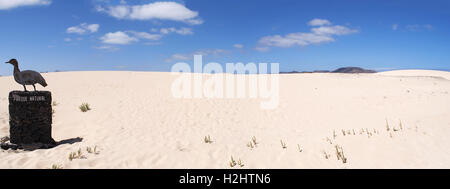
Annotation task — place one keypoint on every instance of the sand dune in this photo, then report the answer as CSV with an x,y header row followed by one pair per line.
x,y
136,123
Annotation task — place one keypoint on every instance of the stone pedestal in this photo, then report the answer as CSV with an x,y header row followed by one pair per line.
x,y
30,118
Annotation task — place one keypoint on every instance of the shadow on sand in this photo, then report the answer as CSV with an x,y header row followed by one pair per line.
x,y
30,147
69,141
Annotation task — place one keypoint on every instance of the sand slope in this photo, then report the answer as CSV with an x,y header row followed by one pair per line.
x,y
136,123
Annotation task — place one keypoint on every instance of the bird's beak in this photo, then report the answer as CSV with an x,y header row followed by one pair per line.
x,y
7,62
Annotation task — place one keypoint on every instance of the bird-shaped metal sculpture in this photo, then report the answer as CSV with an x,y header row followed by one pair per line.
x,y
27,77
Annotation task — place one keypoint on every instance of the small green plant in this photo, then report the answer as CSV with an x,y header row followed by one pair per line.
x,y
84,107
54,166
329,140
72,156
343,132
240,163
250,145
299,148
326,155
92,151
76,155
340,154
334,134
349,132
283,145
207,139
95,150
54,103
254,141
387,125
401,125
232,162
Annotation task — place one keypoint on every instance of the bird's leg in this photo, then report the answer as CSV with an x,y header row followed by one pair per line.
x,y
24,88
34,87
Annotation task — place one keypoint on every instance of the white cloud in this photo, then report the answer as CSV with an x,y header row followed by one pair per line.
x,y
67,39
190,56
300,39
317,35
10,4
181,31
145,35
184,31
83,28
118,38
417,27
93,28
128,37
262,49
153,43
333,30
394,27
178,57
157,10
238,46
319,22
107,48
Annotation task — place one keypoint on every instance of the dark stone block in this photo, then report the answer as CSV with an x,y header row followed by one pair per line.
x,y
30,118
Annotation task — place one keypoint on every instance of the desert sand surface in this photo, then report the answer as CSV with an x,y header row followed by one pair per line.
x,y
135,122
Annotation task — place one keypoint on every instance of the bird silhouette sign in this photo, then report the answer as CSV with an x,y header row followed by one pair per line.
x,y
27,77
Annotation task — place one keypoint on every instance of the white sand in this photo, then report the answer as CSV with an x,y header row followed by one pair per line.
x,y
136,123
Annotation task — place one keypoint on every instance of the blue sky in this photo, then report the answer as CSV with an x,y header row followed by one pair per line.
x,y
147,35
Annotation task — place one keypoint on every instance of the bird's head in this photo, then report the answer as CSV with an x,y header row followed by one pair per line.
x,y
12,61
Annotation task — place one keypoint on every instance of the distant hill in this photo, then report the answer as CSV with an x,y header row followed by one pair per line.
x,y
340,70
353,70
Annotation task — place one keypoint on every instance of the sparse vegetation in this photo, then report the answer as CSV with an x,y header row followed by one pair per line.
x,y
250,145
89,150
95,150
254,141
232,162
208,140
299,148
387,125
53,110
283,145
240,163
76,155
84,107
54,166
329,140
340,153
92,151
326,155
